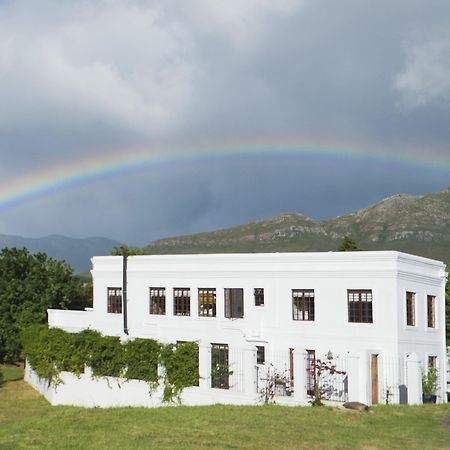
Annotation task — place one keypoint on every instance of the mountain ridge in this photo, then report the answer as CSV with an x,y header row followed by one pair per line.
x,y
76,251
413,224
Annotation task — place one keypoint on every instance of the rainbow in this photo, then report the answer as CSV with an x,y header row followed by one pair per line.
x,y
71,173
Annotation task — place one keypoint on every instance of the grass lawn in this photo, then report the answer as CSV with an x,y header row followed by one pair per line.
x,y
12,372
28,421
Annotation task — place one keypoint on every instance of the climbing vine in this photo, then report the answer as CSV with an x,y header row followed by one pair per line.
x,y
181,369
50,351
141,360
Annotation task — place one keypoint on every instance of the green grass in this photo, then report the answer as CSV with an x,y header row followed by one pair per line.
x,y
11,372
28,421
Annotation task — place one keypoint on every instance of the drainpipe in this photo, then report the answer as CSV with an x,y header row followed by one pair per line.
x,y
124,290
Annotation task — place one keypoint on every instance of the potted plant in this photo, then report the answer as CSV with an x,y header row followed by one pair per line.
x,y
429,385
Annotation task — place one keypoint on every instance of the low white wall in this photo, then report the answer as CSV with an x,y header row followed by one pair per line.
x,y
69,320
115,392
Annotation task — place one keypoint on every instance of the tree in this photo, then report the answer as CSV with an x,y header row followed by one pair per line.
x,y
348,245
29,285
125,250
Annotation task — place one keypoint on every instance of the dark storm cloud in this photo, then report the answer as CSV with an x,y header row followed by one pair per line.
x,y
79,79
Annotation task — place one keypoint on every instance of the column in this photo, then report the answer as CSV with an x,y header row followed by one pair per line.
x,y
250,370
353,383
204,364
300,375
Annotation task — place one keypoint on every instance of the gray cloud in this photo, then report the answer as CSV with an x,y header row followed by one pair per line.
x,y
79,79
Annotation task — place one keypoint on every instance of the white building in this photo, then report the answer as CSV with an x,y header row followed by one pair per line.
x,y
380,314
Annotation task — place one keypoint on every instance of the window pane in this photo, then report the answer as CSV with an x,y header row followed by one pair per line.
x,y
303,304
431,312
360,306
207,302
259,296
182,302
410,308
220,372
157,300
234,303
115,300
310,367
260,354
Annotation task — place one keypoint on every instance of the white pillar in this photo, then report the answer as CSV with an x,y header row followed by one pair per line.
x,y
204,365
250,370
353,384
414,379
300,375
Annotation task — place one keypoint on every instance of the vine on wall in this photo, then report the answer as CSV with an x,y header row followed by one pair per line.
x,y
50,351
181,368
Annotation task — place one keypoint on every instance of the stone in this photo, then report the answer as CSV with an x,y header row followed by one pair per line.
x,y
356,406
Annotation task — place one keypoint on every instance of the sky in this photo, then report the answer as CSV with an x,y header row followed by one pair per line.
x,y
138,120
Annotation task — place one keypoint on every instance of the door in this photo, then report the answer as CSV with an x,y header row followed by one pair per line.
x,y
374,366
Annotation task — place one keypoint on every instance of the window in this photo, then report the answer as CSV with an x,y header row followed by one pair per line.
x,y
259,296
157,300
410,308
115,300
234,303
311,371
360,306
432,362
220,372
431,311
303,304
260,354
182,302
207,302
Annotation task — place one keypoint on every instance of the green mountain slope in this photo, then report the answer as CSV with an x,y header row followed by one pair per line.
x,y
413,224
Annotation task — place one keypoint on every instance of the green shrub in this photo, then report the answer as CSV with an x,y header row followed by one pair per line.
x,y
50,351
430,381
141,360
2,380
107,357
181,364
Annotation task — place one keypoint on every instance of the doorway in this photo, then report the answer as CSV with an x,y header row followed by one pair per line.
x,y
374,377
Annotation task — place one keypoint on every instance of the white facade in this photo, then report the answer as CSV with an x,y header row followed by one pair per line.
x,y
377,350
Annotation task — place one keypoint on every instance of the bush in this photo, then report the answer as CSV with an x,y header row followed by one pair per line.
x,y
181,364
50,351
2,380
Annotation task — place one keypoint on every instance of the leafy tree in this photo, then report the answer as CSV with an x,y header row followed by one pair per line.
x,y
348,245
124,249
29,285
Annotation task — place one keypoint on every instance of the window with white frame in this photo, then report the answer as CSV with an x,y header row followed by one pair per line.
x,y
115,300
360,305
410,309
207,302
234,303
303,304
182,302
431,311
157,300
259,296
260,354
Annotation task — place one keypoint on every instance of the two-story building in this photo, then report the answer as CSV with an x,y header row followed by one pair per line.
x,y
379,315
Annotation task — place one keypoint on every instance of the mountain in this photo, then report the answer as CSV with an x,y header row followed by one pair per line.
x,y
413,224
77,252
